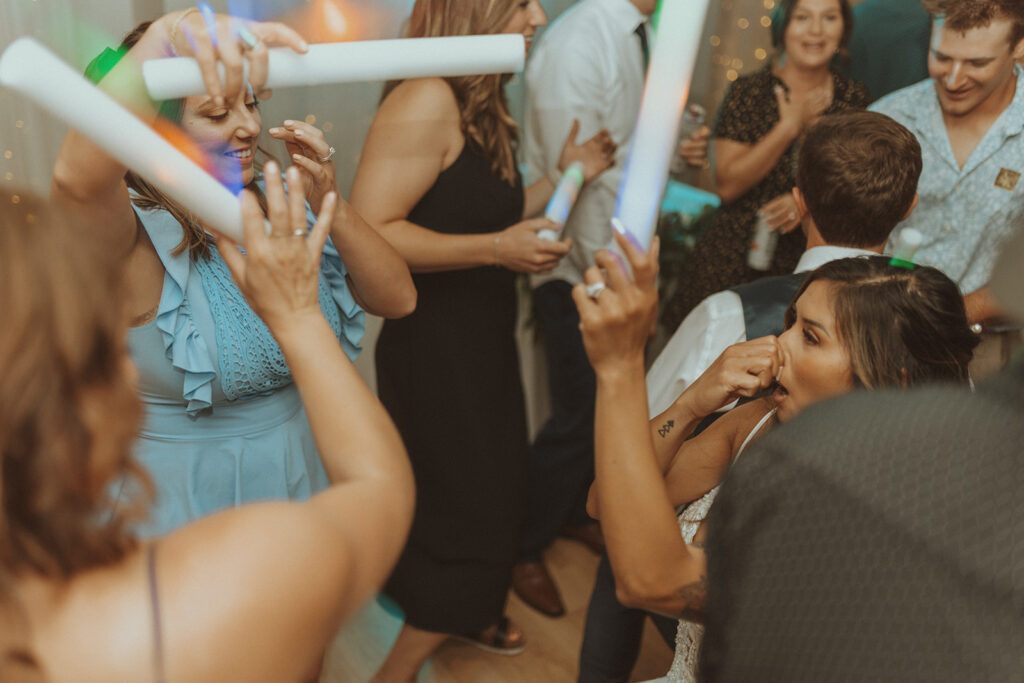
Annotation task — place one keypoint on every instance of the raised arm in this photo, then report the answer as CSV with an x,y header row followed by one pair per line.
x,y
263,588
653,567
415,136
693,466
377,275
85,179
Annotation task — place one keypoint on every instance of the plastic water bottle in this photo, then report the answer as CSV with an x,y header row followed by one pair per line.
x,y
562,200
762,246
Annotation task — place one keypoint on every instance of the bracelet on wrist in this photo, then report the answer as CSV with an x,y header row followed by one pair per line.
x,y
173,33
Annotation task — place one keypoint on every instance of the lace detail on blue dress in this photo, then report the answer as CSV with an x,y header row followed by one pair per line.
x,y
249,358
251,362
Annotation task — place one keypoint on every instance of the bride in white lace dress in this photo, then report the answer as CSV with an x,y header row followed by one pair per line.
x,y
834,342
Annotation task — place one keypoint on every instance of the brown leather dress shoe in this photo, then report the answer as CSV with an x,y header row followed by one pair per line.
x,y
533,584
588,534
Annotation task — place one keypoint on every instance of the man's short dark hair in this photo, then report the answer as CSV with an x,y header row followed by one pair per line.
x,y
964,15
858,172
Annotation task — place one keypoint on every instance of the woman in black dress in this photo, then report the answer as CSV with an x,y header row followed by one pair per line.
x,y
755,134
438,178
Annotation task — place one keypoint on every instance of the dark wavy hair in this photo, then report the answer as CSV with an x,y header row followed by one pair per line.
x,y
858,172
900,326
68,407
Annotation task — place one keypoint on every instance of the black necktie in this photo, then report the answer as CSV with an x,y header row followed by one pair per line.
x,y
641,32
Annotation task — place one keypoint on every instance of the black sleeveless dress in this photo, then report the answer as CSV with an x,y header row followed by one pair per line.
x,y
449,376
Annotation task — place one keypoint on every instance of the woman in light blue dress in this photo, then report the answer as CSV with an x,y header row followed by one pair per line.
x,y
224,423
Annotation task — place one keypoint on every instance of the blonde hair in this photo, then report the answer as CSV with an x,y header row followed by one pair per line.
x,y
483,107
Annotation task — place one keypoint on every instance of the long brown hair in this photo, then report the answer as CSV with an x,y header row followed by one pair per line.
x,y
483,107
196,240
68,408
901,326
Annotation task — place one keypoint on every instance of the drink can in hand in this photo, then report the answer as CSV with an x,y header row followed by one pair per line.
x,y
692,121
762,246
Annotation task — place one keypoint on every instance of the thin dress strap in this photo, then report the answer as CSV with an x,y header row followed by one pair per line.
x,y
154,602
753,432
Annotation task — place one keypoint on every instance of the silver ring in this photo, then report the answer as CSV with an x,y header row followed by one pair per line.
x,y
792,215
298,232
328,157
594,290
246,36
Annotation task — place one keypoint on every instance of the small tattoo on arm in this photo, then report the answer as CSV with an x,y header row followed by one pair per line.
x,y
694,596
666,428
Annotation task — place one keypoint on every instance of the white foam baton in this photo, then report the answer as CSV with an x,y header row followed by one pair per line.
x,y
370,60
907,244
562,200
29,68
666,90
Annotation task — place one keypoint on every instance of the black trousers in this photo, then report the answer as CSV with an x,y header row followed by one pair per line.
x,y
561,465
612,633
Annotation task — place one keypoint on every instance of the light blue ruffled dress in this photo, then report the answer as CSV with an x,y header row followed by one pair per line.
x,y
224,423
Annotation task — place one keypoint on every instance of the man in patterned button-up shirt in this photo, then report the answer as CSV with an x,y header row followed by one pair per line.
x,y
969,118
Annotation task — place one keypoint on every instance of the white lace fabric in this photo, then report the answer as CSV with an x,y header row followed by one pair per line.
x,y
688,633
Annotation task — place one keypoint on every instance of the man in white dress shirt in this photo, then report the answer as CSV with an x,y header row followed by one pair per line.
x,y
589,67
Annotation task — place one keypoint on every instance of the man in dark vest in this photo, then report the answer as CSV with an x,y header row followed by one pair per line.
x,y
856,179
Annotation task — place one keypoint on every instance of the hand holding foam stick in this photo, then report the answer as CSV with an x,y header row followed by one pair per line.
x,y
370,60
562,200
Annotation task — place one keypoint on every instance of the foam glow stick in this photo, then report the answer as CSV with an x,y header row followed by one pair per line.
x,y
29,68
563,199
370,60
907,244
676,43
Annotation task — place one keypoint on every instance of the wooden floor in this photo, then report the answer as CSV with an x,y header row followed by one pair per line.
x,y
552,648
